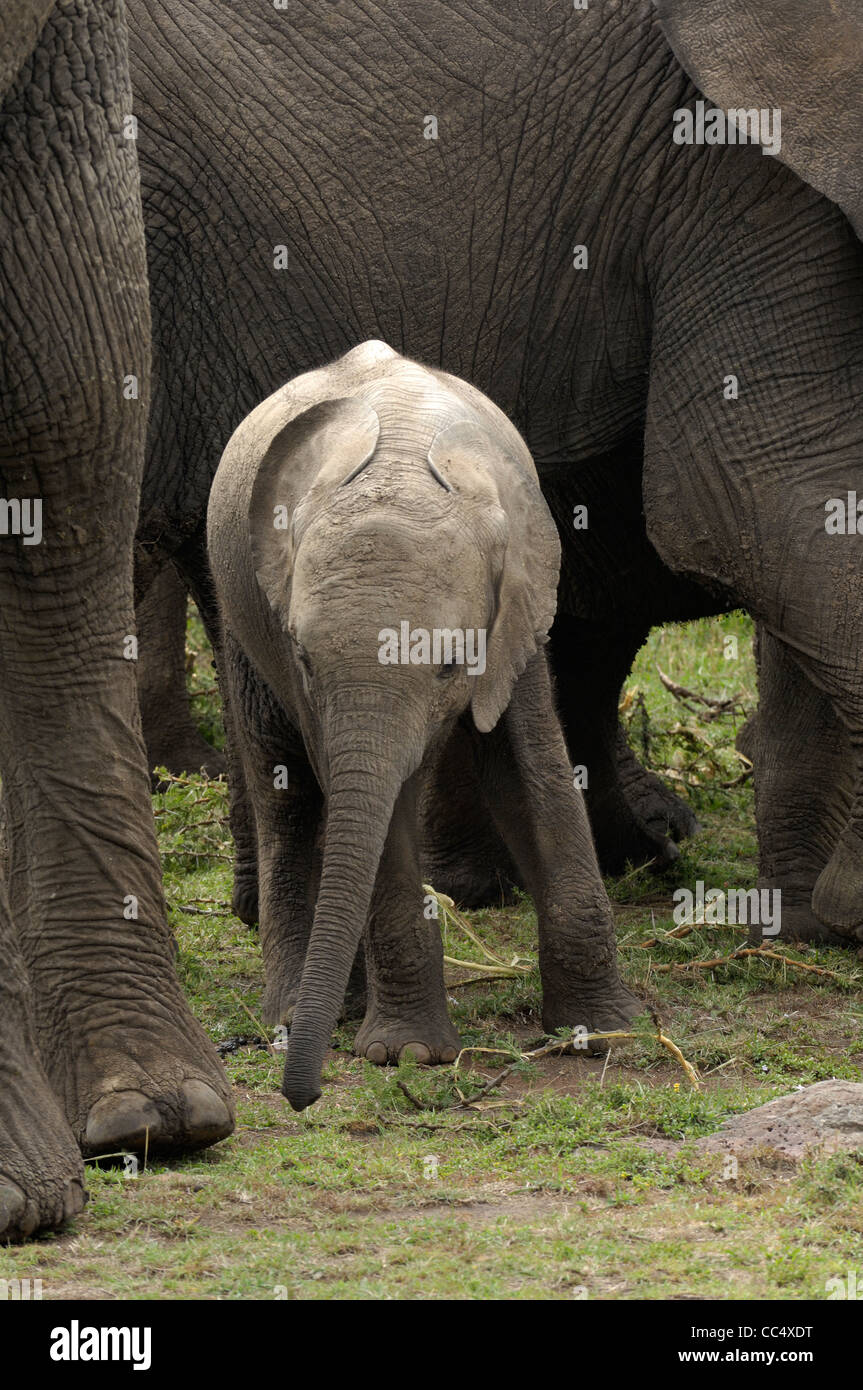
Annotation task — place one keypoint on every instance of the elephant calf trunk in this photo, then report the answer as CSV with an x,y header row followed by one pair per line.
x,y
360,808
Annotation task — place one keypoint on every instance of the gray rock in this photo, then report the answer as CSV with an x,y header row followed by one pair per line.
x,y
826,1117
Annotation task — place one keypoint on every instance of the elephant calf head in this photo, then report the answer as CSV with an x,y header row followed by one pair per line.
x,y
386,561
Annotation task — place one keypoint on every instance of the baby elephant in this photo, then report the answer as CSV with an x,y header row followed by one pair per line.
x,y
386,568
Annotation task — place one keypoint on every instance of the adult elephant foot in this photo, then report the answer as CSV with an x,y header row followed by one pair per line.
x,y
192,1116
130,1064
809,854
429,1039
133,1067
634,817
244,898
595,1006
155,1093
41,1173
799,924
192,754
657,809
621,837
837,899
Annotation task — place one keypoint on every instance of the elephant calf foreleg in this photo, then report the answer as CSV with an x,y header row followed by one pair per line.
x,y
525,773
280,829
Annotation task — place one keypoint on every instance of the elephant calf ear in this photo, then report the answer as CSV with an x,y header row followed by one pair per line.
x,y
321,448
477,463
803,57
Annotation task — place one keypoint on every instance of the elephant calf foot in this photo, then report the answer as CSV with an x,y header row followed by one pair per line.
x,y
597,1008
429,1039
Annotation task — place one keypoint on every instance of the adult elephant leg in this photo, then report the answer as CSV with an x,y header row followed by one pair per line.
x,y
195,570
407,1009
744,453
462,852
524,771
803,788
631,813
171,736
118,1042
41,1173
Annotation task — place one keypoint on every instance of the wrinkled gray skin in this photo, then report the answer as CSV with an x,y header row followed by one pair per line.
x,y
171,735
96,1040
554,130
401,494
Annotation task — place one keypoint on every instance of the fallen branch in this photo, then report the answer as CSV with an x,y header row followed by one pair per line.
x,y
715,707
684,929
559,1046
741,953
485,972
498,968
198,911
748,769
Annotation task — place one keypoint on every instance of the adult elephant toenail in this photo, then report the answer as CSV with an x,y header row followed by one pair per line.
x,y
122,1120
207,1117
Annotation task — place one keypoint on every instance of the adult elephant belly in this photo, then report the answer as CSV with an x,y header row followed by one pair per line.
x,y
312,182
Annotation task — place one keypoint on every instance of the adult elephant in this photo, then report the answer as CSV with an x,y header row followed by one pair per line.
x,y
171,736
675,328
98,1048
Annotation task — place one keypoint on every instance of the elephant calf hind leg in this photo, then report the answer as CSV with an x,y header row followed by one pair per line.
x,y
463,855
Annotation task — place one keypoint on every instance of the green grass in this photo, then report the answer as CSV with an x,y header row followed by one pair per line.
x,y
578,1176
